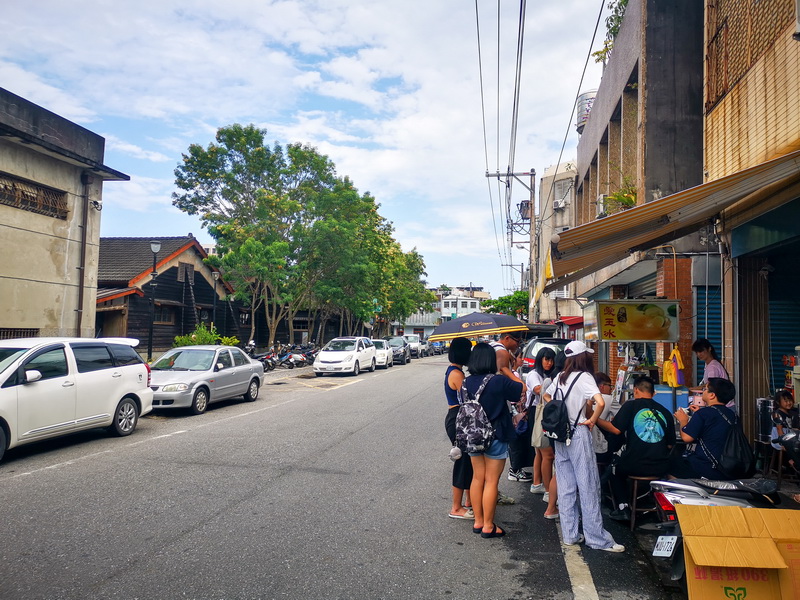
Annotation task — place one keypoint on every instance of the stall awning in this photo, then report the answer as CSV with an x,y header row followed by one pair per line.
x,y
571,320
590,247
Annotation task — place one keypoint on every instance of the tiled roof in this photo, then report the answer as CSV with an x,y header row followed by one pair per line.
x,y
108,293
124,258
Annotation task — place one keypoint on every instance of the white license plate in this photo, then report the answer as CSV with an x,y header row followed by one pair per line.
x,y
330,368
665,545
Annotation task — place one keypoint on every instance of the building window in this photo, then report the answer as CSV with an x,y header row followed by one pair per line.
x,y
561,189
473,305
7,333
32,197
185,271
560,293
164,315
244,319
463,304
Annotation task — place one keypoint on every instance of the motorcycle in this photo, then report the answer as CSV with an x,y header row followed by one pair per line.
x,y
264,358
286,359
747,493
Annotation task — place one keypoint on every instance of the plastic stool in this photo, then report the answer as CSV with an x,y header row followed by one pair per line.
x,y
635,479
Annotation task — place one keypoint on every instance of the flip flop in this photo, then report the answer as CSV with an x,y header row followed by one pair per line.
x,y
477,529
493,533
467,515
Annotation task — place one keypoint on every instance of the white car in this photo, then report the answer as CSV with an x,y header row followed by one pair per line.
x,y
345,355
384,357
413,341
56,386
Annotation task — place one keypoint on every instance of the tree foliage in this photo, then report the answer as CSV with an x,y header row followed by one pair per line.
x,y
292,235
515,304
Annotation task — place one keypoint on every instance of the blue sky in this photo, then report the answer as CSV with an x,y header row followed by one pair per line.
x,y
388,90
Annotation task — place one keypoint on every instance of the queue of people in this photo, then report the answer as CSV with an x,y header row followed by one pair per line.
x,y
611,441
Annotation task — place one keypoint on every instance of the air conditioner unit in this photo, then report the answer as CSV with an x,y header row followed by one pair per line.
x,y
558,204
600,204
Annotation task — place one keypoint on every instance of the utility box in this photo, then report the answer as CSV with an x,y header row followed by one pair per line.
x,y
734,552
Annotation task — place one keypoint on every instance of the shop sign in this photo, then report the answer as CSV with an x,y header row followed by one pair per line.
x,y
631,321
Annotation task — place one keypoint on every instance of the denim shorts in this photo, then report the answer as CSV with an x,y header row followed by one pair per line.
x,y
497,450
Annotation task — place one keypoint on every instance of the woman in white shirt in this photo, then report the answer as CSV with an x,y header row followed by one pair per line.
x,y
576,469
543,480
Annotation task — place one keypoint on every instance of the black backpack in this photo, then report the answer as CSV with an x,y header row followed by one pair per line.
x,y
737,460
474,430
555,418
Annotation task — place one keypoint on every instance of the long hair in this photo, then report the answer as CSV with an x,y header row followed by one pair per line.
x,y
704,344
575,364
545,352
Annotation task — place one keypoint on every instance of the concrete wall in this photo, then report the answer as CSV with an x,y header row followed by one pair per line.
x,y
40,279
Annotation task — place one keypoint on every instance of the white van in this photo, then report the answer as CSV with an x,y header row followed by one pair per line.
x,y
56,386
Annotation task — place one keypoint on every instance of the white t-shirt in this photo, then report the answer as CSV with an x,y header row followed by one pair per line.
x,y
532,380
581,393
598,439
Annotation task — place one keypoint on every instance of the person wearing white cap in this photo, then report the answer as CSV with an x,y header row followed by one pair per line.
x,y
576,471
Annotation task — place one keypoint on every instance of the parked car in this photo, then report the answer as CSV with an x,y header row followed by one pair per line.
x,y
437,347
401,350
56,386
195,376
413,341
345,355
424,347
383,353
535,344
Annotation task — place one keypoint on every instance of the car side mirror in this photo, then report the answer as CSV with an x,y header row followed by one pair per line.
x,y
32,375
219,367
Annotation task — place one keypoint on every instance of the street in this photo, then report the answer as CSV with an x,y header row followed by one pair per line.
x,y
333,487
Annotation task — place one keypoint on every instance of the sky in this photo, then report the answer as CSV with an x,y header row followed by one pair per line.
x,y
399,95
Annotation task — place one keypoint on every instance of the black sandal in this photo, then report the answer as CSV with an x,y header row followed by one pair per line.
x,y
493,533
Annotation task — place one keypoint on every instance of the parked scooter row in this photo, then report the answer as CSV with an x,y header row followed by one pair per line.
x,y
287,357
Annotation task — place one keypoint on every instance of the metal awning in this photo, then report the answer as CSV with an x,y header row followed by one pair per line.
x,y
588,248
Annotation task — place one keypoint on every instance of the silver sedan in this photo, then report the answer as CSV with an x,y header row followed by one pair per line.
x,y
195,376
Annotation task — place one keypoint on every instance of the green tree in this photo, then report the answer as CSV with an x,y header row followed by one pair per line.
x,y
514,304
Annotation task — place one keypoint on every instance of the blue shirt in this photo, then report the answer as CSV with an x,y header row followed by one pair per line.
x,y
708,425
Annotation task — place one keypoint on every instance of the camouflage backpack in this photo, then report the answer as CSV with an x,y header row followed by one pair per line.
x,y
474,431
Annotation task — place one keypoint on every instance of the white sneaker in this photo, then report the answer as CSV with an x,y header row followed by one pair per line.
x,y
615,548
546,497
581,539
537,488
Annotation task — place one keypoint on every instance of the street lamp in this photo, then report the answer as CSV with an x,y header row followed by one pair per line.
x,y
155,246
215,275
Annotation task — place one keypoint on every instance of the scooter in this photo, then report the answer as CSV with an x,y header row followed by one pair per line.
x,y
286,359
748,493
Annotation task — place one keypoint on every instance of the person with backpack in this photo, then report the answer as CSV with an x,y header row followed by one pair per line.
x,y
706,431
458,354
493,392
648,430
576,470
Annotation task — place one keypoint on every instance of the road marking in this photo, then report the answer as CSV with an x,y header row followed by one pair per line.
x,y
580,577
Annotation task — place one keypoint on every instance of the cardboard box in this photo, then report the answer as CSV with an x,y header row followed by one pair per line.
x,y
741,553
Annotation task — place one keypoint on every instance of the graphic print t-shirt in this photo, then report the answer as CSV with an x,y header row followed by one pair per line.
x,y
649,432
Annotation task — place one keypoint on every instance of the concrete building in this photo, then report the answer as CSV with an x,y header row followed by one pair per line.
x,y
51,195
744,214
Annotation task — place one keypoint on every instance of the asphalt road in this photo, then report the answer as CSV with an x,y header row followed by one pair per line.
x,y
334,487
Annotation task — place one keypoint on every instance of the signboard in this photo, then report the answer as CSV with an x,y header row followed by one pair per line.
x,y
631,321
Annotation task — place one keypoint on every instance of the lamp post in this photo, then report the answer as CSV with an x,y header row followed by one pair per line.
x,y
155,246
215,275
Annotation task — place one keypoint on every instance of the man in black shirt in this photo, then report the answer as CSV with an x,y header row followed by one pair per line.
x,y
649,433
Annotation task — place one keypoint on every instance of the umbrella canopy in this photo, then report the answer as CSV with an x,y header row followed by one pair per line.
x,y
476,324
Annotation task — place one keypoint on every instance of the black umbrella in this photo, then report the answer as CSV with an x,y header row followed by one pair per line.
x,y
477,324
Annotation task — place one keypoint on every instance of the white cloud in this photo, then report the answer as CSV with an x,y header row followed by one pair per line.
x,y
390,91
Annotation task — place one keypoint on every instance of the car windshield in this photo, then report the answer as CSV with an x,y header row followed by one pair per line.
x,y
185,360
379,344
412,338
340,346
396,342
9,355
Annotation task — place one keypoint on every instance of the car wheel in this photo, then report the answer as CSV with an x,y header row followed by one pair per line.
x,y
3,442
356,369
318,374
125,418
390,363
372,366
200,401
252,391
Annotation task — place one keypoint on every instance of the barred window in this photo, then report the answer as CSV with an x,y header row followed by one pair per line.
x,y
32,197
8,333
